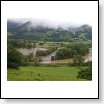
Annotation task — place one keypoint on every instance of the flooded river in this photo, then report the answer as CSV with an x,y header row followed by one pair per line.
x,y
47,59
89,56
26,51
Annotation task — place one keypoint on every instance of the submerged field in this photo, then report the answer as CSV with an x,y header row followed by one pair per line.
x,y
41,73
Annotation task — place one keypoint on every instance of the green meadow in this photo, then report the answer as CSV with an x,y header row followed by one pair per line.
x,y
41,73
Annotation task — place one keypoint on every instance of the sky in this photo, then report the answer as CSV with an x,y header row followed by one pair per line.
x,y
55,12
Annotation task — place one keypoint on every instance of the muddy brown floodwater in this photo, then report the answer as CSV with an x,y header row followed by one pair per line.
x,y
89,56
47,59
26,51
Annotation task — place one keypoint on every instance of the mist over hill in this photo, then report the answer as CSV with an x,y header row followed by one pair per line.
x,y
48,30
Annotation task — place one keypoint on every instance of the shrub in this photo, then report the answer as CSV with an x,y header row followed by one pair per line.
x,y
14,58
52,58
85,73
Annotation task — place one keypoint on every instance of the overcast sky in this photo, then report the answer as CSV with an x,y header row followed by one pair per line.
x,y
57,12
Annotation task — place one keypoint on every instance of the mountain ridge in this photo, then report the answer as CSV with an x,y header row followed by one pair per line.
x,y
44,32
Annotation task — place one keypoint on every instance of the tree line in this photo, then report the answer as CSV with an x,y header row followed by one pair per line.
x,y
22,43
71,50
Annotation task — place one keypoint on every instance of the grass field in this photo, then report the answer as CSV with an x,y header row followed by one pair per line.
x,y
57,44
30,73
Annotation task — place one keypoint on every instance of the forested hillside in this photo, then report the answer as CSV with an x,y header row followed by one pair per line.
x,y
30,31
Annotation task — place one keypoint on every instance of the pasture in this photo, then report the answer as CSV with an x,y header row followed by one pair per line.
x,y
41,73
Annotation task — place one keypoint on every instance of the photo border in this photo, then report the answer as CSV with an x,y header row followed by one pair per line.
x,y
98,70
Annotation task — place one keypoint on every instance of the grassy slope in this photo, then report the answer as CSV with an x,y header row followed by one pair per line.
x,y
30,73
